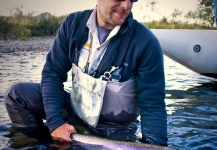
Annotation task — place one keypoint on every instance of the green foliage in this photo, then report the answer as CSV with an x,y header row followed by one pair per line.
x,y
165,24
45,27
206,11
7,29
4,25
22,32
23,26
202,17
10,29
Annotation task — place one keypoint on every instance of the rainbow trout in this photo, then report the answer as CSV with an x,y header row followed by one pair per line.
x,y
113,144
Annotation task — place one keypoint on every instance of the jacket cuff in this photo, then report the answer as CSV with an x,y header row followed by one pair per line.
x,y
157,140
55,125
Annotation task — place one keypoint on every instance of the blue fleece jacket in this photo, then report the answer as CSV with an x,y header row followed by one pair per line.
x,y
143,60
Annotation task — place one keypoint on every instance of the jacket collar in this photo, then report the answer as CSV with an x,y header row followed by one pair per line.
x,y
91,24
82,32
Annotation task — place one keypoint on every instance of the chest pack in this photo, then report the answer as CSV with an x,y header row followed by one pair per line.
x,y
92,97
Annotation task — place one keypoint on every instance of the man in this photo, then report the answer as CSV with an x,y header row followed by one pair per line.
x,y
105,28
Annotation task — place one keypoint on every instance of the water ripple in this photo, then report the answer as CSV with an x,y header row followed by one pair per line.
x,y
191,102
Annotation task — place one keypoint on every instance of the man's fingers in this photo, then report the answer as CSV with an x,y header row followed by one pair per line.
x,y
63,133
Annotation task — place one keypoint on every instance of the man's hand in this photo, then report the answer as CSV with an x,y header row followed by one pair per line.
x,y
62,133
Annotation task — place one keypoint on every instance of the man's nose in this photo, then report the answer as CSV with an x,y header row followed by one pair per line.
x,y
127,4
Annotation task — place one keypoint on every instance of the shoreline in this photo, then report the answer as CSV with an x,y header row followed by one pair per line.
x,y
29,44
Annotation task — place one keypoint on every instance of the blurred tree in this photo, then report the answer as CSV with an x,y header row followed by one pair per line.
x,y
215,10
205,11
176,13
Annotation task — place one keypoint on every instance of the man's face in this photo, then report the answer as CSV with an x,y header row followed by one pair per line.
x,y
112,12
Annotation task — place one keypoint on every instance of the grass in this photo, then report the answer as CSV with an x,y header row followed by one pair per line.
x,y
176,25
22,26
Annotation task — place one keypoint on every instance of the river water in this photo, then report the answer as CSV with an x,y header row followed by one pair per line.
x,y
191,101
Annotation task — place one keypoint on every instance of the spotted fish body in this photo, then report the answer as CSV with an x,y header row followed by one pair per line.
x,y
113,144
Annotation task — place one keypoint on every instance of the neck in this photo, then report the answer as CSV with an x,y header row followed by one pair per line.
x,y
103,24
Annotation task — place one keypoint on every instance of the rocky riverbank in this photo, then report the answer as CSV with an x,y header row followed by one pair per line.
x,y
30,44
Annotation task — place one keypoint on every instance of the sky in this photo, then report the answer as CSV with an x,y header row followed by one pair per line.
x,y
141,9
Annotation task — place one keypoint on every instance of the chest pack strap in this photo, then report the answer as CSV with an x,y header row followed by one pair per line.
x,y
115,56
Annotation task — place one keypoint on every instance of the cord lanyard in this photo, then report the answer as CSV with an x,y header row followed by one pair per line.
x,y
86,67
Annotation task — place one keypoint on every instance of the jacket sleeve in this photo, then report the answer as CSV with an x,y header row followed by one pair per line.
x,y
54,74
150,82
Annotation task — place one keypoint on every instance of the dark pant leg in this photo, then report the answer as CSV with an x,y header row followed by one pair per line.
x,y
24,105
26,110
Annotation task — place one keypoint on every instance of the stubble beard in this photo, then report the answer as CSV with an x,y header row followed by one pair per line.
x,y
110,21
